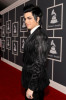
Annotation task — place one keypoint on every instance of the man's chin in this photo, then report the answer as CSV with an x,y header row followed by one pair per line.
x,y
29,28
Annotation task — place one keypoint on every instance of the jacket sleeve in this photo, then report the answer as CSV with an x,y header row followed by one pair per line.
x,y
41,51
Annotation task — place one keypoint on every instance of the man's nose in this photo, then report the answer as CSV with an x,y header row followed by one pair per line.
x,y
26,22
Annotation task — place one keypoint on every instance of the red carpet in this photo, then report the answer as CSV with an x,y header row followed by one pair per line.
x,y
11,89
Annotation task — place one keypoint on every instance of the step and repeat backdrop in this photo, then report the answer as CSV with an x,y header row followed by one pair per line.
x,y
14,34
54,22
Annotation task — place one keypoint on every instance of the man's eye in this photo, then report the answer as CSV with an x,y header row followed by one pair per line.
x,y
29,18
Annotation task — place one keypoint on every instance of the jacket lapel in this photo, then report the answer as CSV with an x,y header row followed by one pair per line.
x,y
34,33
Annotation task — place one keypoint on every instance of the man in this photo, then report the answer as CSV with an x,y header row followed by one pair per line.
x,y
34,76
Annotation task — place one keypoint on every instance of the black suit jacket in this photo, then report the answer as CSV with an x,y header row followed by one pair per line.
x,y
34,75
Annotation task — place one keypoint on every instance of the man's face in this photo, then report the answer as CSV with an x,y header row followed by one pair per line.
x,y
30,21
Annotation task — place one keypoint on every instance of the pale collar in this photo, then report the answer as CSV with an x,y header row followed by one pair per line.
x,y
34,29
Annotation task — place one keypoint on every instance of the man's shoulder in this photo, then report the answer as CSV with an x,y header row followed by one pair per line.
x,y
42,32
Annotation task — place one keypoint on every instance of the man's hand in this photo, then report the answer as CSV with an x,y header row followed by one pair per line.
x,y
29,94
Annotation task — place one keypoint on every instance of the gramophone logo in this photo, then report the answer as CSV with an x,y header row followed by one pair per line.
x,y
23,23
8,26
23,27
23,41
3,46
15,28
8,43
53,17
14,47
53,48
3,31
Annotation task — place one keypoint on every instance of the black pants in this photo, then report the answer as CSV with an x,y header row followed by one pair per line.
x,y
37,95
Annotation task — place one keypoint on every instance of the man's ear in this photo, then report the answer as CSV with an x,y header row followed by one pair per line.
x,y
38,19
